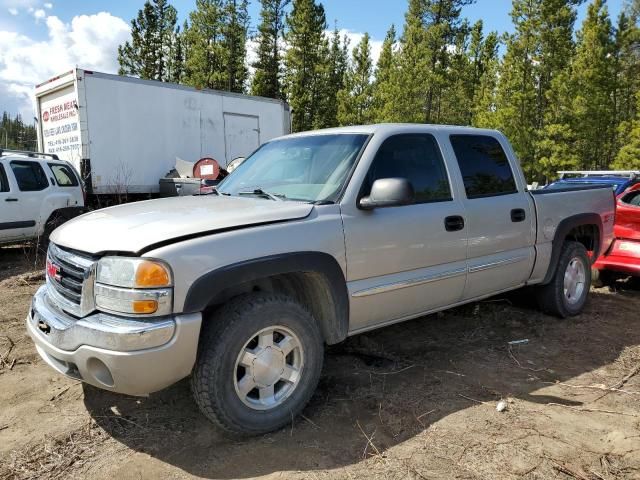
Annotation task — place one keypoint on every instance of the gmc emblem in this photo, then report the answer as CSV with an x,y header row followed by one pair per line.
x,y
53,270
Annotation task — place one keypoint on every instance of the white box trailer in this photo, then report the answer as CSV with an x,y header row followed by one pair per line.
x,y
123,134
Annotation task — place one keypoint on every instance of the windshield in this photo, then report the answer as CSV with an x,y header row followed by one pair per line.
x,y
311,168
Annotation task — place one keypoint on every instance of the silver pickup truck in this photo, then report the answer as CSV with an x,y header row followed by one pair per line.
x,y
315,237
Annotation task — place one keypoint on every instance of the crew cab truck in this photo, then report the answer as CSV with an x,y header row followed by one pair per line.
x,y
315,237
38,192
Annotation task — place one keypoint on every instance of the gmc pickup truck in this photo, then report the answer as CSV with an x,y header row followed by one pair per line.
x,y
315,237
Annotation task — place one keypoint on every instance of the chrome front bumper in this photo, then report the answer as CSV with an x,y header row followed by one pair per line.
x,y
124,355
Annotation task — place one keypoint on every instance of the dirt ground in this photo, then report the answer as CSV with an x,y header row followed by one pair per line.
x,y
416,400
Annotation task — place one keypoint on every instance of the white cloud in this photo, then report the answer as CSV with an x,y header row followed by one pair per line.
x,y
48,6
88,41
356,37
39,14
13,11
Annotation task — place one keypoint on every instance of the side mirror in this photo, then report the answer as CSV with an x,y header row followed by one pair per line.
x,y
388,192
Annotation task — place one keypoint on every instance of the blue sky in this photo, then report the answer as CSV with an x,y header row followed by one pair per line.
x,y
42,38
373,16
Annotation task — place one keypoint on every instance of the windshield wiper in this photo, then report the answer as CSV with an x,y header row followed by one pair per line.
x,y
263,193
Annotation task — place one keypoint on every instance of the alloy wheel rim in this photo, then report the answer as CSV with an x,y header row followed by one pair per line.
x,y
574,281
268,368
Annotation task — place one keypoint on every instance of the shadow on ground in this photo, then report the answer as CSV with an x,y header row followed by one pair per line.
x,y
395,382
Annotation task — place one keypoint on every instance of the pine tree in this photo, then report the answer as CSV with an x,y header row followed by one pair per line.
x,y
539,51
406,98
383,76
306,62
442,26
628,157
235,31
14,133
484,102
215,41
152,34
355,100
592,85
334,67
267,79
204,67
176,58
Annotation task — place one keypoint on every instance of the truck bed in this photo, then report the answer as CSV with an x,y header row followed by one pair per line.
x,y
554,206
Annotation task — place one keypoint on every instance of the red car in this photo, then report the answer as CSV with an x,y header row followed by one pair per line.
x,y
623,257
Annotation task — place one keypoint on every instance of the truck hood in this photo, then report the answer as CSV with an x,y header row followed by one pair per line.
x,y
136,226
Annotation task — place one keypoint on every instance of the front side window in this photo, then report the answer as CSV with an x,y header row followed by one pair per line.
x,y
311,168
29,175
63,174
417,158
4,183
484,166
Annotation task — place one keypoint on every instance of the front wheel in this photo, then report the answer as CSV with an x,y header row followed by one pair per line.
x,y
566,294
259,362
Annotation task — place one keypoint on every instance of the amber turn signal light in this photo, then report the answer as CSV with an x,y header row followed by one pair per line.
x,y
152,275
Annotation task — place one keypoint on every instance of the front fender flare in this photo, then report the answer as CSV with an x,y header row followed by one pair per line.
x,y
207,289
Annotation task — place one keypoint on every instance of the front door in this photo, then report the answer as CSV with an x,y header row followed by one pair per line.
x,y
500,215
404,261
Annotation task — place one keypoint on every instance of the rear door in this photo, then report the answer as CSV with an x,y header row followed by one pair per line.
x,y
499,216
241,135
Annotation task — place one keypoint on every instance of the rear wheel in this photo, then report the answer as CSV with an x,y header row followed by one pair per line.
x,y
566,294
258,364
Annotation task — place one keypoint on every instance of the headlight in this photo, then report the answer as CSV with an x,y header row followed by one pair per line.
x,y
133,286
133,273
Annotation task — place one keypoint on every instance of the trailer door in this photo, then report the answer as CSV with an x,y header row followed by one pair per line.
x,y
241,135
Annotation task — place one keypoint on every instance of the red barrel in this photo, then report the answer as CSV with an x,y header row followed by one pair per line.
x,y
206,168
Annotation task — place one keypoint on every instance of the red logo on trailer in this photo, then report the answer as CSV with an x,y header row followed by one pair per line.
x,y
45,116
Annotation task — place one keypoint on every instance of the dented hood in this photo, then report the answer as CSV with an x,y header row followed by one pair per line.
x,y
135,226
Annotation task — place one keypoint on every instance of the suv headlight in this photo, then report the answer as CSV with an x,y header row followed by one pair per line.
x,y
133,286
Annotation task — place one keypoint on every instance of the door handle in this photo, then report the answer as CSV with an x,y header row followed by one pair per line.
x,y
454,223
10,199
518,215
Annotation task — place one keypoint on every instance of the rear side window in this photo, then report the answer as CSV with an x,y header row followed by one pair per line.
x,y
30,176
484,166
417,158
4,183
64,175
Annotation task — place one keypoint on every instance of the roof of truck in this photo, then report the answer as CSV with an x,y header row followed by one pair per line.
x,y
395,127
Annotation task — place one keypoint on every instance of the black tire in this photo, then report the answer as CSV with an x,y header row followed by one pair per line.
x,y
602,278
55,220
225,335
551,297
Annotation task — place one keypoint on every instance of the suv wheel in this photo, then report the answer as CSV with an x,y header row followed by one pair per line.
x,y
259,362
566,294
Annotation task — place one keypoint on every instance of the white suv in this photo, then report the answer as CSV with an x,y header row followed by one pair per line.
x,y
37,194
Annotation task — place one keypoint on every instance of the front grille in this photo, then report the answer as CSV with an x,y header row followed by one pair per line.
x,y
68,274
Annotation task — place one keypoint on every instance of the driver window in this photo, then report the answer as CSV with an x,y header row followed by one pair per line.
x,y
417,158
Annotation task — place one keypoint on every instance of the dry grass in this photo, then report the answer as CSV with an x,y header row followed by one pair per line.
x,y
55,458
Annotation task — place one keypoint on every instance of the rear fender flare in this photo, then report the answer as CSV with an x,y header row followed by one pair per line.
x,y
564,227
